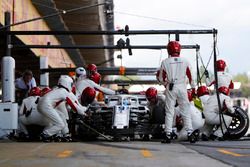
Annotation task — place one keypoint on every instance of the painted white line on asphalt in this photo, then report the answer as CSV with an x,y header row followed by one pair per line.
x,y
4,160
38,147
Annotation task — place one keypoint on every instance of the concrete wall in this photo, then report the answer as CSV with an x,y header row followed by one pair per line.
x,y
24,10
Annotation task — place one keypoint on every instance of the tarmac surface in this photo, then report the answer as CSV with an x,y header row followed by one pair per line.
x,y
121,154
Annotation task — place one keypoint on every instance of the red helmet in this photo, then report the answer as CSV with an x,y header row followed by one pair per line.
x,y
88,95
92,68
202,90
189,93
174,48
45,91
221,65
224,90
151,93
35,91
96,77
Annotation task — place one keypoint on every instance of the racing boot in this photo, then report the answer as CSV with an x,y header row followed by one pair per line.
x,y
45,138
66,138
56,138
167,138
194,136
23,137
174,135
216,138
204,137
226,136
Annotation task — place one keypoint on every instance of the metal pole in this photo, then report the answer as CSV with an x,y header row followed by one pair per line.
x,y
197,68
119,32
134,82
8,37
8,67
177,37
106,71
100,46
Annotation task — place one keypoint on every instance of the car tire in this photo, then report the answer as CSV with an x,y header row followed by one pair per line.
x,y
239,125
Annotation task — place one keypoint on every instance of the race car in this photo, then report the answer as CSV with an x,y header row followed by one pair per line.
x,y
123,116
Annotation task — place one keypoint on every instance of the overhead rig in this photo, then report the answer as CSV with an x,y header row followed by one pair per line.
x,y
121,44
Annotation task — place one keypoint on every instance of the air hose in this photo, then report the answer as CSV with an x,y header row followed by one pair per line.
x,y
221,116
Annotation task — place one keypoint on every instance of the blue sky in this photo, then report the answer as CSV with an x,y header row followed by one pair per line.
x,y
230,17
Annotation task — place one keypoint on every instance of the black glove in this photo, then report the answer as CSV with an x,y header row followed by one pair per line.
x,y
234,114
206,74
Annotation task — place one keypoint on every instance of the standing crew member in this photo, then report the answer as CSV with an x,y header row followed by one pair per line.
x,y
26,82
172,75
23,85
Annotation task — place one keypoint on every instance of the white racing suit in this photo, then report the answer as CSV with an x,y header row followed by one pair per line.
x,y
212,117
174,70
224,79
62,110
204,99
196,117
48,103
28,114
83,83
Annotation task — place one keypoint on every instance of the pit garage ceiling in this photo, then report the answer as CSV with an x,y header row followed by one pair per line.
x,y
91,19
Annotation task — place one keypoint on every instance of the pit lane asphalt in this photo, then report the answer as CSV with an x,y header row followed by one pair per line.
x,y
235,153
121,154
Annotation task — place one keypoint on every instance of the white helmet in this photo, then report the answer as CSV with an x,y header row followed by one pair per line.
x,y
80,71
65,81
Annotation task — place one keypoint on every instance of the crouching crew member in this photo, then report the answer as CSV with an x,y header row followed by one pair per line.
x,y
212,116
28,114
49,101
84,82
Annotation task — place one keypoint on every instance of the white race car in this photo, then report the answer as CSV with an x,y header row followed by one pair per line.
x,y
123,115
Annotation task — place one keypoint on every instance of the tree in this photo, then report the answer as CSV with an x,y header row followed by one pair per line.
x,y
245,85
243,78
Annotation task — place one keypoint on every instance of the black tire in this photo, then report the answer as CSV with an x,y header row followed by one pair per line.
x,y
239,125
